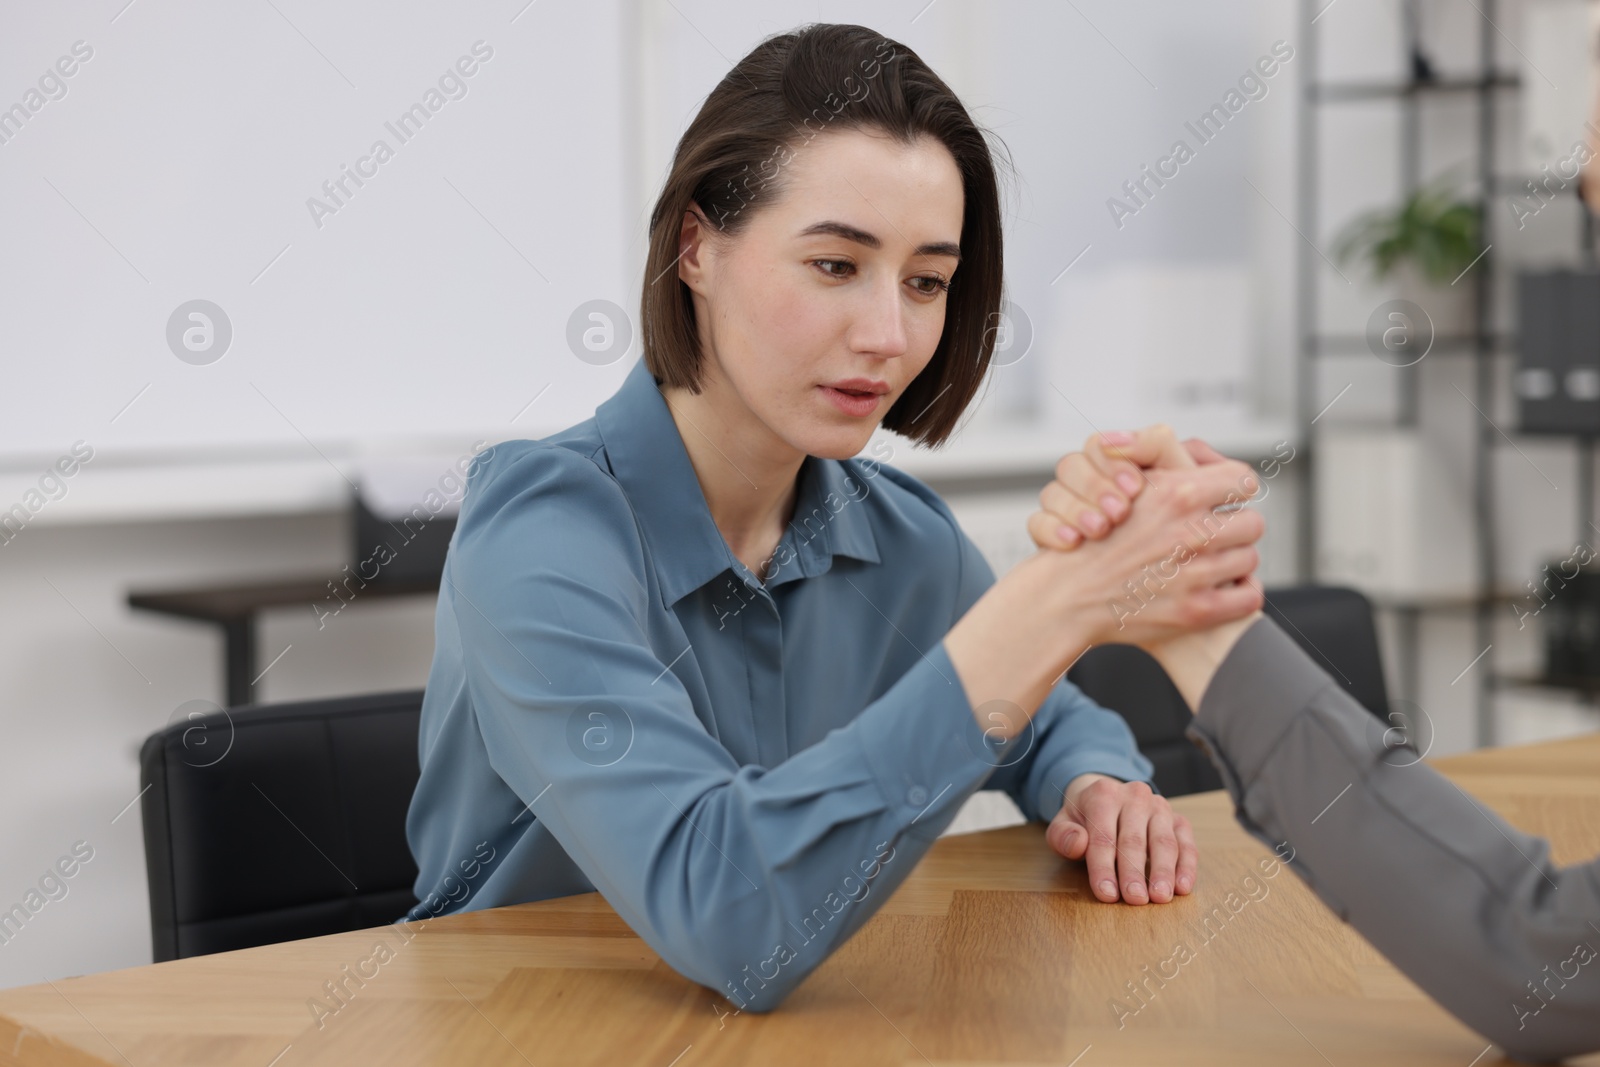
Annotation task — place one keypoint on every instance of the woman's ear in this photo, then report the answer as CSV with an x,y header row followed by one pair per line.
x,y
693,240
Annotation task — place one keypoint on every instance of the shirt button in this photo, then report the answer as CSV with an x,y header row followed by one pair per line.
x,y
916,795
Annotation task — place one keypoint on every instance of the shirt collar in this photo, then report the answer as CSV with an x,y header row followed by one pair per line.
x,y
650,462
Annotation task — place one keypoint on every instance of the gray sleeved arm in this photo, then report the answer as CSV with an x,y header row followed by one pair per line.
x,y
1469,908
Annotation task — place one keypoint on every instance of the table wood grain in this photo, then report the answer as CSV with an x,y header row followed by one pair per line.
x,y
992,952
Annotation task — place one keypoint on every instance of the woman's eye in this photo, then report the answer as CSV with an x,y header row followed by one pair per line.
x,y
927,286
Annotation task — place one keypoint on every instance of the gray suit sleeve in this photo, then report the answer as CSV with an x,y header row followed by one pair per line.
x,y
1469,908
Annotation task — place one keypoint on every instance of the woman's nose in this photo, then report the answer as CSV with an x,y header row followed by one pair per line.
x,y
881,327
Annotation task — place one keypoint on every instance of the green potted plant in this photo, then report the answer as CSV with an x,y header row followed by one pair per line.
x,y
1425,244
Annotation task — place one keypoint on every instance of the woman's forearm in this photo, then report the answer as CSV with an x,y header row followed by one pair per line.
x,y
1014,643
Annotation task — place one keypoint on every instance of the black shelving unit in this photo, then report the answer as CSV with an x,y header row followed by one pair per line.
x,y
1484,87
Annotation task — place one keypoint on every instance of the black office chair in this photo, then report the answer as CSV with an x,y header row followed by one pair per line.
x,y
271,823
1333,624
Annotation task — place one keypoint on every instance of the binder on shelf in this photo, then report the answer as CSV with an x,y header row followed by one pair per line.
x,y
1557,381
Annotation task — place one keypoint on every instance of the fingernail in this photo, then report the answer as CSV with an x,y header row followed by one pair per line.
x,y
1108,888
1135,888
1113,506
1069,534
1117,437
1160,889
1185,882
1095,521
1128,482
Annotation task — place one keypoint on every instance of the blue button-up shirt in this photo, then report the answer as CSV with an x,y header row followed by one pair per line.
x,y
744,769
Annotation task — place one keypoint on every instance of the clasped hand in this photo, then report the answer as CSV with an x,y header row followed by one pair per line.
x,y
1183,561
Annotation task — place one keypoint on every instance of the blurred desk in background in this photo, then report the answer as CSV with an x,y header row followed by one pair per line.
x,y
234,608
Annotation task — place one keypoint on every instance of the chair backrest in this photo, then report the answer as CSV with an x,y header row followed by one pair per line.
x,y
271,823
1333,624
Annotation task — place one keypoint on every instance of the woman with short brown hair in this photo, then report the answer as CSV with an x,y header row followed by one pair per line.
x,y
699,655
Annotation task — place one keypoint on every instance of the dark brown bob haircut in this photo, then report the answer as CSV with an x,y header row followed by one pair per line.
x,y
826,77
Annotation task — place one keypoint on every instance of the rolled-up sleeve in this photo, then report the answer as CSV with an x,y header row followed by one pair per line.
x,y
1069,735
743,878
1466,905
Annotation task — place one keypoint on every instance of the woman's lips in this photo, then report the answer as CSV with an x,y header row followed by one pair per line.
x,y
851,403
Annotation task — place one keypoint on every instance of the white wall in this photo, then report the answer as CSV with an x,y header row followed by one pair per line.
x,y
187,159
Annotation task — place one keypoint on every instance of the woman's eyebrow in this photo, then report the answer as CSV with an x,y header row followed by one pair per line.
x,y
862,237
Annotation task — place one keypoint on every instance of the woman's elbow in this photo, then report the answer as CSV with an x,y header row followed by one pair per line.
x,y
751,963
754,982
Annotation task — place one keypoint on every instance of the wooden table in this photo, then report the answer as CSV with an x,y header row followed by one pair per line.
x,y
992,952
